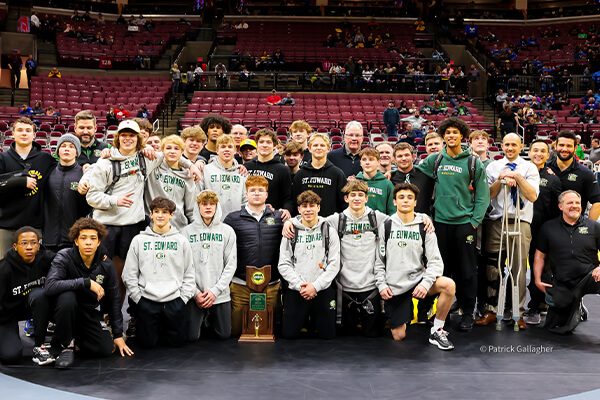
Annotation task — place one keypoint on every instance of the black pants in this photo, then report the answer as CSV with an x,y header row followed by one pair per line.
x,y
355,310
15,78
537,298
82,323
296,309
457,245
160,321
218,317
37,306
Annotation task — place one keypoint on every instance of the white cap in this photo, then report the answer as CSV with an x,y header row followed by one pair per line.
x,y
129,125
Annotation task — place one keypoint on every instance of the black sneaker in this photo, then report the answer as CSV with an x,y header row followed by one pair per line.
x,y
130,332
440,339
41,356
65,359
50,329
466,323
584,311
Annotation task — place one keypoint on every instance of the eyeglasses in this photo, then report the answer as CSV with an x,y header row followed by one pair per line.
x,y
24,243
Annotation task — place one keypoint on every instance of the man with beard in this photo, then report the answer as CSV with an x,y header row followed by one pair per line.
x,y
85,130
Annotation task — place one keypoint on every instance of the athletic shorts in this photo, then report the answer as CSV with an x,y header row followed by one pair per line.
x,y
399,309
119,238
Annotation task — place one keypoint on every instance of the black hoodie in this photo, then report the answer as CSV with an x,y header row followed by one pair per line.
x,y
280,181
17,279
327,182
69,273
20,206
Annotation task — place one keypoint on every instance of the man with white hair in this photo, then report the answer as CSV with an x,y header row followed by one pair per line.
x,y
346,158
239,133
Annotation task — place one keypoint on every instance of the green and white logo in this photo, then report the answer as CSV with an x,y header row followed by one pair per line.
x,y
160,255
402,244
206,246
270,221
572,177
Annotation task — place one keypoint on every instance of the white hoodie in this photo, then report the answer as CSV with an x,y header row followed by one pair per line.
x,y
159,267
403,252
309,264
215,255
227,183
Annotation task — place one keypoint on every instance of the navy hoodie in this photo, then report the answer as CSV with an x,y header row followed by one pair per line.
x,y
327,182
280,181
20,206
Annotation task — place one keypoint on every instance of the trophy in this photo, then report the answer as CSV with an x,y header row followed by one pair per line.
x,y
257,318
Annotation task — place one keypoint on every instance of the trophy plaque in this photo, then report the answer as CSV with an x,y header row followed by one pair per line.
x,y
257,318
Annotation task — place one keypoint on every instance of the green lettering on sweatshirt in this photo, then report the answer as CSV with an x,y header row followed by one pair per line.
x,y
165,245
223,178
359,227
406,235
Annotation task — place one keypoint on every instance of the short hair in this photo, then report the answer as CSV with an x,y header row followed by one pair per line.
x,y
453,122
566,192
162,203
292,147
87,223
240,126
403,146
477,133
140,141
257,180
207,196
24,120
25,229
85,115
432,135
144,124
406,186
193,132
266,132
216,119
300,125
308,197
357,185
225,139
370,152
172,139
567,135
539,141
319,135
354,123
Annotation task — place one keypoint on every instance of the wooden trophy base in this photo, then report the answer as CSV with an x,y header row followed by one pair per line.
x,y
248,338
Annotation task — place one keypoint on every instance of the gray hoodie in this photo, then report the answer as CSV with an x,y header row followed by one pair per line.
x,y
100,177
159,267
215,255
358,250
175,185
309,264
404,268
227,183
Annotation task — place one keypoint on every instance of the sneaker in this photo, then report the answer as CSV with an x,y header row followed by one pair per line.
x,y
584,311
41,356
28,327
440,339
466,323
130,332
65,359
532,317
50,329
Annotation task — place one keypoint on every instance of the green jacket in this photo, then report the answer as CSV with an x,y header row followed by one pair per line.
x,y
453,203
380,193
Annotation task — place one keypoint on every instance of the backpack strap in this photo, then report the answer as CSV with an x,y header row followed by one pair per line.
x,y
342,225
293,244
423,234
472,164
325,235
373,221
142,161
116,175
436,166
387,226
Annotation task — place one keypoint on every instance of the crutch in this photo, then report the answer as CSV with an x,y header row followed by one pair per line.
x,y
505,236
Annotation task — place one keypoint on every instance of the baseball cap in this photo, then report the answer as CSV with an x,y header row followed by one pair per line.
x,y
129,125
248,142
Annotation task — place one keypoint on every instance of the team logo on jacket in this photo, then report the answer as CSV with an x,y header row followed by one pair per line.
x,y
206,246
225,187
543,182
160,255
38,176
74,186
583,230
310,246
99,279
332,305
357,236
97,153
270,221
258,278
572,177
402,244
470,239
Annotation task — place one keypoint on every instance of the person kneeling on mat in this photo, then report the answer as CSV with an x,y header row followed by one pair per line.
x,y
410,265
84,281
309,262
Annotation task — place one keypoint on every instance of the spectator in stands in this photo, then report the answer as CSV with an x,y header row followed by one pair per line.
x,y
576,111
462,109
175,76
403,108
346,158
86,17
111,117
595,151
101,19
471,33
214,125
591,104
35,23
51,112
409,135
30,67
288,100
278,59
507,121
242,25
121,20
391,118
194,138
54,73
274,98
143,112
589,117
15,64
75,16
549,118
415,120
121,112
37,109
25,110
221,76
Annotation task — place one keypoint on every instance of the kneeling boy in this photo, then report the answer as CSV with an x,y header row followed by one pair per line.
x,y
410,266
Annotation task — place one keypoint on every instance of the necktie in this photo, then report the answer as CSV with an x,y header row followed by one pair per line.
x,y
513,190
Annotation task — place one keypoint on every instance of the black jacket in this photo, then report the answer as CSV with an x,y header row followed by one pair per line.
x,y
327,182
17,279
69,273
257,242
280,181
423,182
20,206
63,205
344,160
91,154
578,178
546,205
